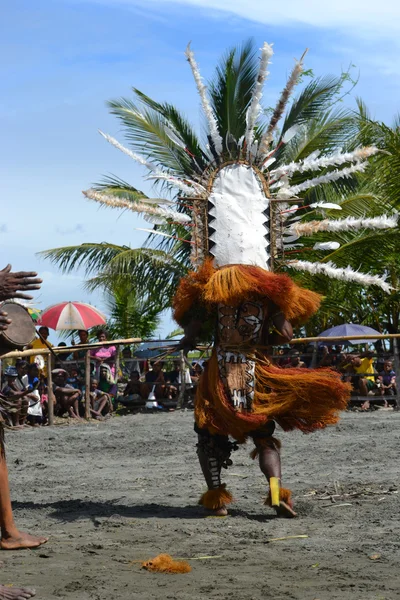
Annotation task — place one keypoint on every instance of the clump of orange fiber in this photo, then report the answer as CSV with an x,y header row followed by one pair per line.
x,y
164,563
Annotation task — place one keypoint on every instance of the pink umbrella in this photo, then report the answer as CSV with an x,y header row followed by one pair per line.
x,y
71,315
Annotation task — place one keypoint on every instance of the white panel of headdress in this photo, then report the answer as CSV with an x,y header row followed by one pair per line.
x,y
238,217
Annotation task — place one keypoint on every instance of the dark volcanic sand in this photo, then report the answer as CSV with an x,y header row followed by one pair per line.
x,y
127,489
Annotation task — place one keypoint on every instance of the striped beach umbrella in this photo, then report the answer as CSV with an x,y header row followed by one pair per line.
x,y
71,315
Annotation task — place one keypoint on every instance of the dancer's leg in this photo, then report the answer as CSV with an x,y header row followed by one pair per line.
x,y
268,450
214,452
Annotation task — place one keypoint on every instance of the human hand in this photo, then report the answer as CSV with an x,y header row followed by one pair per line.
x,y
4,321
11,283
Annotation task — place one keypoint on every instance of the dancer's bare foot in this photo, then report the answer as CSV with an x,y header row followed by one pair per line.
x,y
217,512
11,593
285,511
20,540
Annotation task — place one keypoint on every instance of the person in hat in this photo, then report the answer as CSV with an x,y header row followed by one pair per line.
x,y
14,401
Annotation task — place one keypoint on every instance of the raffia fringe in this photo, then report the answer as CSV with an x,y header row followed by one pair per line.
x,y
301,399
285,495
164,563
235,284
215,499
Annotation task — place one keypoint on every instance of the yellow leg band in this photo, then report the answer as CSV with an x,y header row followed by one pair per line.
x,y
274,486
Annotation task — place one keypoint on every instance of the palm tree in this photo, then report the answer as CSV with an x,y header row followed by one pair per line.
x,y
167,145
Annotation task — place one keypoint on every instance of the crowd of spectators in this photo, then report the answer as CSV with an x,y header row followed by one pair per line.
x,y
370,375
131,384
137,384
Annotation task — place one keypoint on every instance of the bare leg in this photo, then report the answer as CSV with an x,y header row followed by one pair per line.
x,y
7,593
11,538
24,411
270,465
15,416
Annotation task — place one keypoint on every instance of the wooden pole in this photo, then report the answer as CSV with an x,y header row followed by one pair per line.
x,y
117,360
397,371
182,387
346,338
87,385
50,393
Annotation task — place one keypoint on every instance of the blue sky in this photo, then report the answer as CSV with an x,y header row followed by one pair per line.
x,y
62,59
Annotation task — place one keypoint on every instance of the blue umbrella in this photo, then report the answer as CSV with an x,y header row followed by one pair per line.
x,y
348,329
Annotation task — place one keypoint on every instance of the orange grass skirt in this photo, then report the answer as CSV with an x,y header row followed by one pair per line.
x,y
294,398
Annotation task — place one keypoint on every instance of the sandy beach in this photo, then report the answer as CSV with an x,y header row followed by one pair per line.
x,y
112,494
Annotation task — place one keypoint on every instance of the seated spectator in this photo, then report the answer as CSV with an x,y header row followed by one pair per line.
x,y
132,393
295,361
326,359
100,402
106,381
154,379
128,364
67,397
339,357
14,402
35,412
173,376
74,378
364,369
387,380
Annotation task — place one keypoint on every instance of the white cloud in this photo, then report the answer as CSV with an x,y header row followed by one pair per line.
x,y
362,17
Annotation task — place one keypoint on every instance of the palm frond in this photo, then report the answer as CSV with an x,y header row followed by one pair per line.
x,y
231,89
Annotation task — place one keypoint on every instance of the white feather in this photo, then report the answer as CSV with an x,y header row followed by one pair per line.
x,y
269,162
348,224
155,220
326,205
326,246
332,176
174,138
152,167
165,213
313,163
201,88
254,109
347,274
290,133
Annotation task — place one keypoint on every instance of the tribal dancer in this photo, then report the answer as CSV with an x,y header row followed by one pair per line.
x,y
11,286
245,200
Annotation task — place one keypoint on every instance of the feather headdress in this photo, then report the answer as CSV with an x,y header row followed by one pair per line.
x,y
236,197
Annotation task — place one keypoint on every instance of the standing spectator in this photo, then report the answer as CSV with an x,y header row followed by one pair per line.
x,y
83,339
104,354
387,380
62,356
